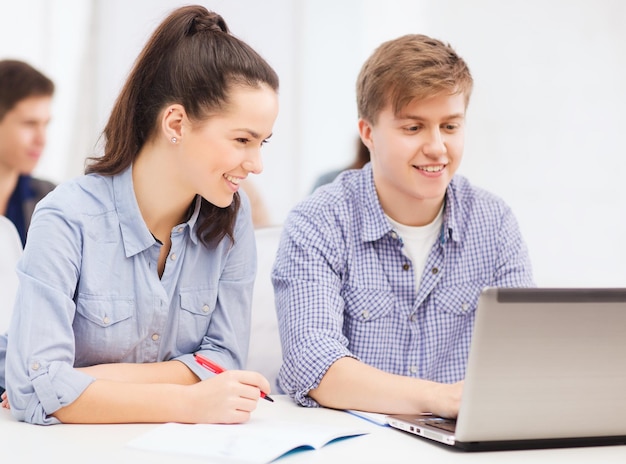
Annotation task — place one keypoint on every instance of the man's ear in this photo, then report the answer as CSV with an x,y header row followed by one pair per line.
x,y
365,131
172,123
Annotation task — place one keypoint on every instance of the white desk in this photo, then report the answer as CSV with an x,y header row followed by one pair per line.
x,y
24,443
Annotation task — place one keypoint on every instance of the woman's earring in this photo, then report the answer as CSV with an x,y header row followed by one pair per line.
x,y
174,139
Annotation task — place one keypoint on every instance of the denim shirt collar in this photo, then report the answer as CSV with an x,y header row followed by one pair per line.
x,y
135,233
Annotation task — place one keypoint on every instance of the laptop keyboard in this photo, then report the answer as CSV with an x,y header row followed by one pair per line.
x,y
448,425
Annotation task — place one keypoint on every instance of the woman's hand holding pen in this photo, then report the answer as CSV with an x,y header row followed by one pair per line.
x,y
227,398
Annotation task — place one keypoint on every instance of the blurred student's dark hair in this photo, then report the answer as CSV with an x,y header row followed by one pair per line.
x,y
19,81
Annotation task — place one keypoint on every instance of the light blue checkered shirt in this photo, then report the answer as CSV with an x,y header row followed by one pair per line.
x,y
344,287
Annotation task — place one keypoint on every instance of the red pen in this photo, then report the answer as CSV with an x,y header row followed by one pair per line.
x,y
217,369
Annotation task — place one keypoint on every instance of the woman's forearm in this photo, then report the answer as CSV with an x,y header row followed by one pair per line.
x,y
174,372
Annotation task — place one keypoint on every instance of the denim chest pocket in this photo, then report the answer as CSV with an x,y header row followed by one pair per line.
x,y
104,328
460,299
196,309
105,312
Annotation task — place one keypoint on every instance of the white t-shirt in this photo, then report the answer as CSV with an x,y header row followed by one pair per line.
x,y
418,241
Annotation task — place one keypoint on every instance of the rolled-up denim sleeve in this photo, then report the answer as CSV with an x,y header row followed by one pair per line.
x,y
40,376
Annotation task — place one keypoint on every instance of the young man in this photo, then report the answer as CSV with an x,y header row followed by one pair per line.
x,y
25,100
378,274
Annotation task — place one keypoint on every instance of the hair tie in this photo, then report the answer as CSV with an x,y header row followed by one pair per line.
x,y
209,23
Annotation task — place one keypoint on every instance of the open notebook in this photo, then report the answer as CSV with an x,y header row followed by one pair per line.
x,y
546,369
259,441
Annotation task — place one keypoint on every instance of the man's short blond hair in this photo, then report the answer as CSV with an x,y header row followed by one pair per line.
x,y
411,67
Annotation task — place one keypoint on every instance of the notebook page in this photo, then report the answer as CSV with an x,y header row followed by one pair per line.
x,y
259,441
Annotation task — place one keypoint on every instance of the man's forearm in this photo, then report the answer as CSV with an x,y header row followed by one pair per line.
x,y
351,384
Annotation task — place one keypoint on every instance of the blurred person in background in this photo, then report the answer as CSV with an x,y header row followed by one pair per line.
x,y
25,102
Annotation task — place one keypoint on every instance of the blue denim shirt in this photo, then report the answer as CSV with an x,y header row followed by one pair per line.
x,y
90,293
344,287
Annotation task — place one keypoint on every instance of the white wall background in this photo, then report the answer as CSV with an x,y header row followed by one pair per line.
x,y
545,124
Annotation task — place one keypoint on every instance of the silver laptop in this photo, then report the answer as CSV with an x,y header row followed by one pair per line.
x,y
546,368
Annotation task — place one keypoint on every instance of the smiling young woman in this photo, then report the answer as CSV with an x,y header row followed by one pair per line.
x,y
150,256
